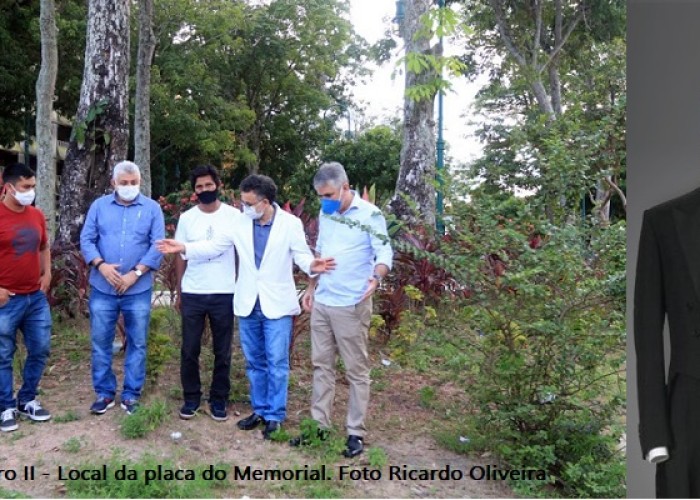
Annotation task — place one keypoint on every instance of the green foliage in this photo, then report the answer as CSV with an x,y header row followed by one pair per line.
x,y
160,348
87,128
112,488
377,457
371,157
580,149
327,449
427,396
20,60
244,86
147,418
547,312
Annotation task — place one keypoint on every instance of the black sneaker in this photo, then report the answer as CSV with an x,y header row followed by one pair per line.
x,y
130,406
270,427
304,440
189,410
101,405
34,411
250,422
354,446
217,410
8,421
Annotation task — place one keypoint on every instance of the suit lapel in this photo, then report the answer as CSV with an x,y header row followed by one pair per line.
x,y
687,220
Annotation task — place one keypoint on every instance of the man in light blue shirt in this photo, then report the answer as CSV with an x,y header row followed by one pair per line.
x,y
353,232
118,241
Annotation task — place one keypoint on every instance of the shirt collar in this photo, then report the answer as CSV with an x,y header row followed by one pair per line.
x,y
355,203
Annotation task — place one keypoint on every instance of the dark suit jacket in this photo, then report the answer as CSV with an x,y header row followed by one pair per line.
x,y
667,285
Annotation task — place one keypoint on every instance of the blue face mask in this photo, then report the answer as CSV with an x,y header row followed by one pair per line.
x,y
329,207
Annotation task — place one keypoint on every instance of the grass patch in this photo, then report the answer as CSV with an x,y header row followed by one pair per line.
x,y
10,494
146,419
427,396
377,457
73,445
110,487
69,416
327,450
16,436
281,435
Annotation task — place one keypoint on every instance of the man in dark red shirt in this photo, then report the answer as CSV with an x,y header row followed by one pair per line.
x,y
25,276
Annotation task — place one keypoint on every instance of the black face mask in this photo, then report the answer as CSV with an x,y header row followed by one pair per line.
x,y
207,197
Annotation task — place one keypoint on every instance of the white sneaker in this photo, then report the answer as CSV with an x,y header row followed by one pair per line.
x,y
34,411
7,420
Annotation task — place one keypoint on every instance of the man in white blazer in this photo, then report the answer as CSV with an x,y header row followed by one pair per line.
x,y
269,240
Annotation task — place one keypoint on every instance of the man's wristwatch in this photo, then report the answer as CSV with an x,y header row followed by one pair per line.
x,y
138,272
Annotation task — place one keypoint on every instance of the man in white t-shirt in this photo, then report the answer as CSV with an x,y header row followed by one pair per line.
x,y
206,289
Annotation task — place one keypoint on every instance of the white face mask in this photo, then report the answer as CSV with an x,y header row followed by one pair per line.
x,y
26,198
251,212
128,193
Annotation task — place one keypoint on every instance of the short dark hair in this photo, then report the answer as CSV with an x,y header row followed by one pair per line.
x,y
203,171
13,172
261,185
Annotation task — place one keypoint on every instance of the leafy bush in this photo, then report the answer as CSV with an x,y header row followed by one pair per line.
x,y
548,340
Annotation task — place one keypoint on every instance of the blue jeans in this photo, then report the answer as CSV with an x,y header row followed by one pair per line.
x,y
265,344
30,314
104,311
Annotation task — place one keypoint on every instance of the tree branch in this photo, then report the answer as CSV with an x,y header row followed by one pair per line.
x,y
538,32
505,34
617,189
557,48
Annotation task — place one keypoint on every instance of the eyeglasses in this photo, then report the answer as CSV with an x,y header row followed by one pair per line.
x,y
251,204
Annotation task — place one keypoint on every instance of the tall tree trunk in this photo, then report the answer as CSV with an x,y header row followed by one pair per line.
x,y
101,127
45,128
414,198
142,119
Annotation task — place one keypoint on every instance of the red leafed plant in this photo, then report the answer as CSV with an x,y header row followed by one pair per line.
x,y
69,281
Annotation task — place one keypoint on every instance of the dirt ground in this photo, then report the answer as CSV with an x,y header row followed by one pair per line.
x,y
397,423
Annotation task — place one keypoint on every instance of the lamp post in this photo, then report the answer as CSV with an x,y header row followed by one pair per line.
x,y
440,146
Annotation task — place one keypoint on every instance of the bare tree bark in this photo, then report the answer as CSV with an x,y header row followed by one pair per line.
x,y
45,129
416,182
101,127
142,118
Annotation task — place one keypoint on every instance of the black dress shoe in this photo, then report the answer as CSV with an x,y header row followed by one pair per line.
x,y
354,446
270,427
251,422
304,440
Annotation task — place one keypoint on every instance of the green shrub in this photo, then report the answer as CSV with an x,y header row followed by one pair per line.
x,y
145,419
160,348
546,330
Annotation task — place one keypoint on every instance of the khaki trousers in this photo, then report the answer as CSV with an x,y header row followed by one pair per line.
x,y
341,330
